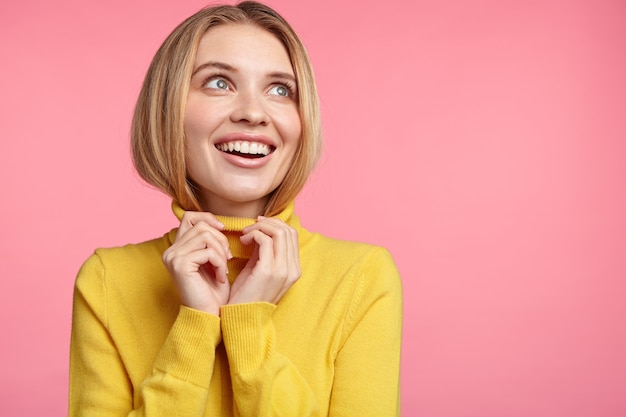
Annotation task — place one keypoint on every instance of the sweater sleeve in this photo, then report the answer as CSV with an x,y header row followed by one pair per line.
x,y
367,365
99,384
265,382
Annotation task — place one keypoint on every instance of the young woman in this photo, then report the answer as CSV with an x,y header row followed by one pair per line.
x,y
240,310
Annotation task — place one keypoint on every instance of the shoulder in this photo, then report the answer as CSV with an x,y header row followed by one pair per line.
x,y
363,261
350,251
132,253
116,263
127,287
363,279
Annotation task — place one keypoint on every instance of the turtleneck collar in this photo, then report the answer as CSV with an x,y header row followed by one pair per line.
x,y
234,226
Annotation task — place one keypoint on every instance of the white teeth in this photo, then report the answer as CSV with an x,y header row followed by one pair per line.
x,y
263,149
242,146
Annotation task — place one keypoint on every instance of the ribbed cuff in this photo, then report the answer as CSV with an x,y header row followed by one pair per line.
x,y
189,350
248,333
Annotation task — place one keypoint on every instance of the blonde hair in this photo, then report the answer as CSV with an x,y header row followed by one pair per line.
x,y
157,134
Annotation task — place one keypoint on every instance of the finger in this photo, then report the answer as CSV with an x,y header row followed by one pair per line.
x,y
198,239
203,232
265,247
191,218
220,271
262,220
293,254
287,250
184,263
284,237
213,277
274,228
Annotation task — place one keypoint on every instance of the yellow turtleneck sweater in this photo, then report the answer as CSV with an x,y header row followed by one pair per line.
x,y
331,346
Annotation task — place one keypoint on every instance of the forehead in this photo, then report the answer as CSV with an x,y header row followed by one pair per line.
x,y
243,46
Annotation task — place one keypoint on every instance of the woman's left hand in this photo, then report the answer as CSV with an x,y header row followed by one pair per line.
x,y
274,265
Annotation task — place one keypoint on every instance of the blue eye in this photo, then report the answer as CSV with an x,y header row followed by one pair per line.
x,y
279,90
217,83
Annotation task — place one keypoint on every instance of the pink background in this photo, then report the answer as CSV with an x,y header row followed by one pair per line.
x,y
483,143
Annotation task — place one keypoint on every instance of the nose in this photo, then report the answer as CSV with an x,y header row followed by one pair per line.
x,y
249,108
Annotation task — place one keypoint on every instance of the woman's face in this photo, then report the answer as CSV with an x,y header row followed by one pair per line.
x,y
242,124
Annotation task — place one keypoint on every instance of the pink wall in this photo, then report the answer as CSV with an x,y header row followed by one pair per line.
x,y
483,143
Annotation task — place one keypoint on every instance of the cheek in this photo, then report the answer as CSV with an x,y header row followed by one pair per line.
x,y
201,116
193,121
291,127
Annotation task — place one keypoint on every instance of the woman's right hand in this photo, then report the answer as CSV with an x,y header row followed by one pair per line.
x,y
197,262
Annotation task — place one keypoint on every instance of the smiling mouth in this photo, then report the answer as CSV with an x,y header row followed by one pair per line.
x,y
245,148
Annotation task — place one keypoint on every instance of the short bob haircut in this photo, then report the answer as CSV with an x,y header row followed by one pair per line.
x,y
157,133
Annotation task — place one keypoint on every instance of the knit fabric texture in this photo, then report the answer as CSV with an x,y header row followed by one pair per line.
x,y
330,347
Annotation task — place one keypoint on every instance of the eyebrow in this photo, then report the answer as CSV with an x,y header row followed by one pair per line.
x,y
214,64
227,67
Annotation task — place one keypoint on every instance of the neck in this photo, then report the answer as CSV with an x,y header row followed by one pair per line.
x,y
248,209
235,224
